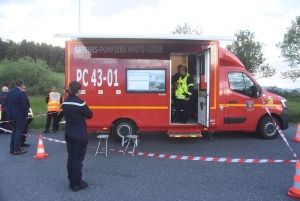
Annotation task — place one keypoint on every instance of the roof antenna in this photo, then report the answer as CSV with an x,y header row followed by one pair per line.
x,y
79,23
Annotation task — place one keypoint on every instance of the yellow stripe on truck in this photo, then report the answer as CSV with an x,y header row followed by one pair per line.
x,y
131,107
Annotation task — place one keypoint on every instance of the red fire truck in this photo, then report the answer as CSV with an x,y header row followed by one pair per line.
x,y
126,81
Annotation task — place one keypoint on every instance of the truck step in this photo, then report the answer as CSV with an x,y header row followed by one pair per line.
x,y
185,135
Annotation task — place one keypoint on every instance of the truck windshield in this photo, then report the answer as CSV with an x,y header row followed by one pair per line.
x,y
241,83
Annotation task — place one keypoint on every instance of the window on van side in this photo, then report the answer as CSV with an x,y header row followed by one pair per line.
x,y
241,83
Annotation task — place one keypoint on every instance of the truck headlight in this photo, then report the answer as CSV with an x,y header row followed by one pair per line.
x,y
284,103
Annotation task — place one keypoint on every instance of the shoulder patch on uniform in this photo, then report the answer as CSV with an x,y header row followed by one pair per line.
x,y
73,103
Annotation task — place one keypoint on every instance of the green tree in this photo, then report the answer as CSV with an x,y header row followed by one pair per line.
x,y
275,90
32,50
23,49
295,93
249,52
290,50
37,76
12,52
3,47
59,68
187,29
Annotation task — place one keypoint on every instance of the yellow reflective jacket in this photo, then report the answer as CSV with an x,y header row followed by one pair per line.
x,y
183,88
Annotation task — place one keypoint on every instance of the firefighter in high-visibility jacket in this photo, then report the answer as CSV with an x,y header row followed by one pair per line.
x,y
53,101
183,93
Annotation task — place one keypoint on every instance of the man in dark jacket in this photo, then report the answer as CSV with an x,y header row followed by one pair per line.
x,y
17,110
3,103
76,111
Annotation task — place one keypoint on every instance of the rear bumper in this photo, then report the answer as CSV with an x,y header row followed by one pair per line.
x,y
285,119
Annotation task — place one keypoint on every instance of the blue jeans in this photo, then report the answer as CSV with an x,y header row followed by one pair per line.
x,y
18,127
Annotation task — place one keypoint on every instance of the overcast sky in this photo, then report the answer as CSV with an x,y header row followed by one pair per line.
x,y
37,20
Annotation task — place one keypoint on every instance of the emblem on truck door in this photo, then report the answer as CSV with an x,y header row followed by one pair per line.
x,y
249,105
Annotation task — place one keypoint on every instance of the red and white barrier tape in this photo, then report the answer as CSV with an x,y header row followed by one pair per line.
x,y
211,159
188,158
40,115
5,130
195,158
279,130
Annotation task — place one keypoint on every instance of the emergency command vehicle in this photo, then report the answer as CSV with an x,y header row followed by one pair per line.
x,y
126,81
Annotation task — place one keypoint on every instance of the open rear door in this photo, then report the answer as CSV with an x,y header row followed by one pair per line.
x,y
203,79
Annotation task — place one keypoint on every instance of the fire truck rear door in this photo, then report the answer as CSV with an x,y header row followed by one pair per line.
x,y
203,79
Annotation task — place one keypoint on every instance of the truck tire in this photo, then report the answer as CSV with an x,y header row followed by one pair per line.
x,y
124,127
266,128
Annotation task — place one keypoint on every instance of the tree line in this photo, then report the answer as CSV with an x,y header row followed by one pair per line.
x,y
250,51
54,56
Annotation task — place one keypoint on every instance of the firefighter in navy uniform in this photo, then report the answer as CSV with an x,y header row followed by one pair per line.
x,y
3,103
183,93
76,111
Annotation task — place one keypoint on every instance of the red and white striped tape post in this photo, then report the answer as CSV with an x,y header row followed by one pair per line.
x,y
279,130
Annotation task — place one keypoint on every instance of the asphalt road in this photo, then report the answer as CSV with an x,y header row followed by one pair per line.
x,y
123,177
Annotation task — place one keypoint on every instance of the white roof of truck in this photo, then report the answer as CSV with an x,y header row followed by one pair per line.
x,y
81,36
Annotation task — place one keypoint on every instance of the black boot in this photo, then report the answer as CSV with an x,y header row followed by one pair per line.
x,y
24,144
80,187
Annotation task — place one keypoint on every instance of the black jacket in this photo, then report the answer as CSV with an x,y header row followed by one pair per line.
x,y
3,101
190,80
76,111
175,77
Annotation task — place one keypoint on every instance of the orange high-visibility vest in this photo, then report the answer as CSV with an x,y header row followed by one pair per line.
x,y
54,102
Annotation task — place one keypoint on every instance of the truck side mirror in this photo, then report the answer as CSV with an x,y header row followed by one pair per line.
x,y
258,91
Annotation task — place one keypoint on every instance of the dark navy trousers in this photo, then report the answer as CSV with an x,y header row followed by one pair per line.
x,y
18,127
76,152
25,131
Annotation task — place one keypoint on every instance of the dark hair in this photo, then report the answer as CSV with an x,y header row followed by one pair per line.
x,y
184,68
73,88
64,88
179,66
19,83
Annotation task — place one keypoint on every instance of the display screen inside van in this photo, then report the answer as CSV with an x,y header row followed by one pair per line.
x,y
146,80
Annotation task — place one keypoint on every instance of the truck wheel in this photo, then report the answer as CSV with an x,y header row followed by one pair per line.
x,y
266,128
124,127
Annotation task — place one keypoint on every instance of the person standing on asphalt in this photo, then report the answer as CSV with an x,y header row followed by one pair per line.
x,y
53,101
17,110
25,131
3,103
61,113
76,111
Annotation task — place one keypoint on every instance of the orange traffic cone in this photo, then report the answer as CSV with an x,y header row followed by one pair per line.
x,y
297,136
40,149
295,190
